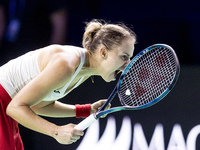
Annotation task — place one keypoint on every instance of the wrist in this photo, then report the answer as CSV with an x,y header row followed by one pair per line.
x,y
82,111
54,131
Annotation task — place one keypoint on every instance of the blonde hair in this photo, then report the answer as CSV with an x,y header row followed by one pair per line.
x,y
99,32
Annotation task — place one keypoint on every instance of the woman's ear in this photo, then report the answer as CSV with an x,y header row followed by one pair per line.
x,y
103,52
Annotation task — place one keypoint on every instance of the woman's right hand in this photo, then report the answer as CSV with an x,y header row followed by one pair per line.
x,y
67,134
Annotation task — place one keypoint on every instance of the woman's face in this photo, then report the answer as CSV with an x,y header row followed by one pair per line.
x,y
117,59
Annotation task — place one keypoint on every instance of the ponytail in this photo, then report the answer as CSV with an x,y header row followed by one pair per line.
x,y
90,31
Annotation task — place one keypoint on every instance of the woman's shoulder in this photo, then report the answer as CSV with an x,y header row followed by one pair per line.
x,y
68,49
65,54
71,48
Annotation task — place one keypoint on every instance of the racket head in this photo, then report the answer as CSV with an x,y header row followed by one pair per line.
x,y
149,77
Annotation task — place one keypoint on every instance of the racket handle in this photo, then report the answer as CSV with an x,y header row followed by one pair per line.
x,y
86,122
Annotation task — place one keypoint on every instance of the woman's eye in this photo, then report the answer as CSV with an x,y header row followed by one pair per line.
x,y
124,58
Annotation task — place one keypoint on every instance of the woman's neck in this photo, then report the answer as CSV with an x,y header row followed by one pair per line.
x,y
90,66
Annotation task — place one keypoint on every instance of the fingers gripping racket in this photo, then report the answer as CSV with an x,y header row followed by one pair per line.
x,y
148,78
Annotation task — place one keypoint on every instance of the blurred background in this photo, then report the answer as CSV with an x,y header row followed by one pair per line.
x,y
30,24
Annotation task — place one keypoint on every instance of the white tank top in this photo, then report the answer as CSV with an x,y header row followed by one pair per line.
x,y
15,74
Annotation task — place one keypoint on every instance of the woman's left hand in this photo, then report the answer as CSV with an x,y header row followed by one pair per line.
x,y
96,106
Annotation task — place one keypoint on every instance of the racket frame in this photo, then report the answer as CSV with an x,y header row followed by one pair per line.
x,y
102,110
93,117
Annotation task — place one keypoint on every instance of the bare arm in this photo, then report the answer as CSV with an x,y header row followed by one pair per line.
x,y
52,77
58,109
54,109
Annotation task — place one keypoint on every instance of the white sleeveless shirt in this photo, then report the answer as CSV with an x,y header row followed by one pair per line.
x,y
15,74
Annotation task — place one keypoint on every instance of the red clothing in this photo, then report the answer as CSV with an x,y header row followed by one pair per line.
x,y
10,138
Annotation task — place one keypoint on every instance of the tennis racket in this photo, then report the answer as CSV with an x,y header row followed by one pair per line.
x,y
147,79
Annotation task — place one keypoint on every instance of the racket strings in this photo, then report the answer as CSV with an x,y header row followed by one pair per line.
x,y
148,77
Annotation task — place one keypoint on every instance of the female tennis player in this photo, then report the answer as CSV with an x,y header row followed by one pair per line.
x,y
31,84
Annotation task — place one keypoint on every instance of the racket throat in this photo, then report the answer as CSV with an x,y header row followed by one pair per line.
x,y
111,110
110,98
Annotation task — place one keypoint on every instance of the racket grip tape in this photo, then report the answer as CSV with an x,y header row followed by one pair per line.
x,y
86,122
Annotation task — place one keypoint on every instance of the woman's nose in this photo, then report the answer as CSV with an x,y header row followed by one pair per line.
x,y
126,63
